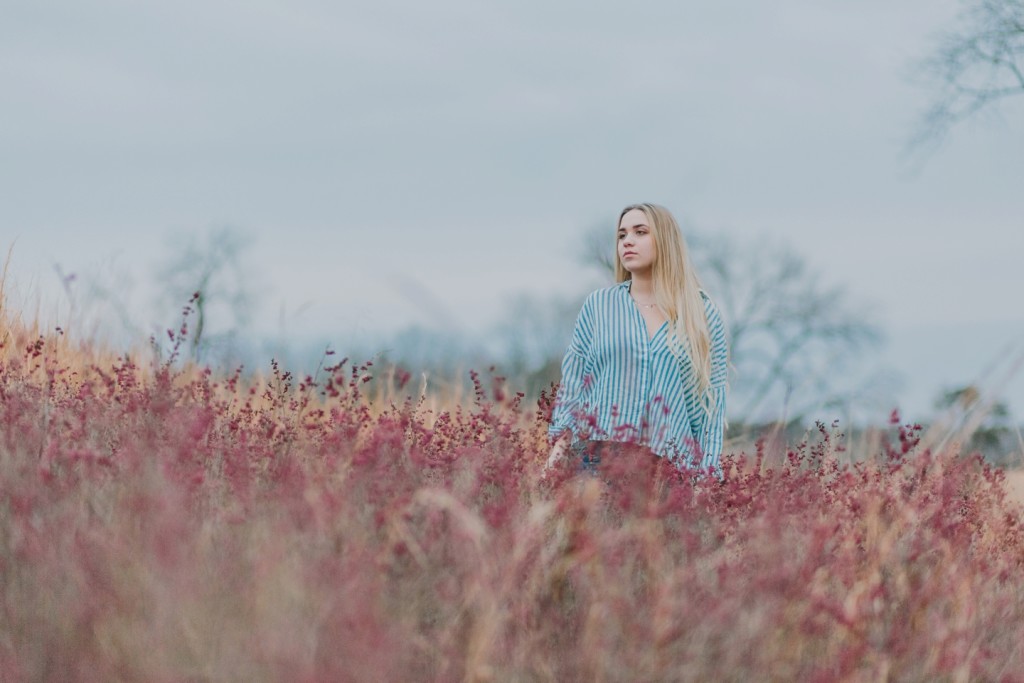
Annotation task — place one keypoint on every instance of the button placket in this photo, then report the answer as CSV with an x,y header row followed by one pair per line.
x,y
643,343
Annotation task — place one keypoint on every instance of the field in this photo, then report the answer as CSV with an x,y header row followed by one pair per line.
x,y
159,522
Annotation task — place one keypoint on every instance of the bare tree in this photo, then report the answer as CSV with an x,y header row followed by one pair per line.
x,y
797,346
794,342
986,425
210,268
975,66
793,339
533,339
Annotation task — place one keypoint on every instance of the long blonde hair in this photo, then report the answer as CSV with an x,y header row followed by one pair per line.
x,y
677,291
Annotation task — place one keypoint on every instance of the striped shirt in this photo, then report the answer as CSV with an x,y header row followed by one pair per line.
x,y
619,384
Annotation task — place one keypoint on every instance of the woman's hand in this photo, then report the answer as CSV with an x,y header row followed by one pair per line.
x,y
558,451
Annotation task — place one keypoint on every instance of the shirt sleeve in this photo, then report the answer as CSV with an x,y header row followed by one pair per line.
x,y
709,427
577,369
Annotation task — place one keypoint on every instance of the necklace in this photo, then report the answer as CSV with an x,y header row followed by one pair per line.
x,y
644,305
647,306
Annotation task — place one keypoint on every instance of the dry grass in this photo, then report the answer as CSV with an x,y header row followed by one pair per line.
x,y
161,523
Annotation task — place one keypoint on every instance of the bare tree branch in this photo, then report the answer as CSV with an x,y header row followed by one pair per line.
x,y
211,267
973,67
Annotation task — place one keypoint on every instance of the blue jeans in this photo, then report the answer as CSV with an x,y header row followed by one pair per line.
x,y
590,452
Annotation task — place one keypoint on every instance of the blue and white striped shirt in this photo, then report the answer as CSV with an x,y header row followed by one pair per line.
x,y
618,384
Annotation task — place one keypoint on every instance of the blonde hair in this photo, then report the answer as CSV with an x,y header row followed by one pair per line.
x,y
677,291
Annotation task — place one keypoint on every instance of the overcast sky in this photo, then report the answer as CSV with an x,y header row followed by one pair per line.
x,y
366,149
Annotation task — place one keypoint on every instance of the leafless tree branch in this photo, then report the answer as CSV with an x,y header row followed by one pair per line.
x,y
972,68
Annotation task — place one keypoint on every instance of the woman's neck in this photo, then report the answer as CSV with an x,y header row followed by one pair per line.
x,y
642,286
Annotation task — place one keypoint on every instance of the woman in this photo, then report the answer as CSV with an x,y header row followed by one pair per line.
x,y
647,363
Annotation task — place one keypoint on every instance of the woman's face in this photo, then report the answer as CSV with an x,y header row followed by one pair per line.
x,y
636,248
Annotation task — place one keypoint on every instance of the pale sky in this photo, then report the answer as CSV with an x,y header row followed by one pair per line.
x,y
365,148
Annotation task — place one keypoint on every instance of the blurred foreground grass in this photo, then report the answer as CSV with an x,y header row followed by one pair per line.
x,y
162,522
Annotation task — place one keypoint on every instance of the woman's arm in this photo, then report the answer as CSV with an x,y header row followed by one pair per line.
x,y
709,425
576,379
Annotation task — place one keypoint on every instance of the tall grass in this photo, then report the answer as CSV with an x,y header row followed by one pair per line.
x,y
159,522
